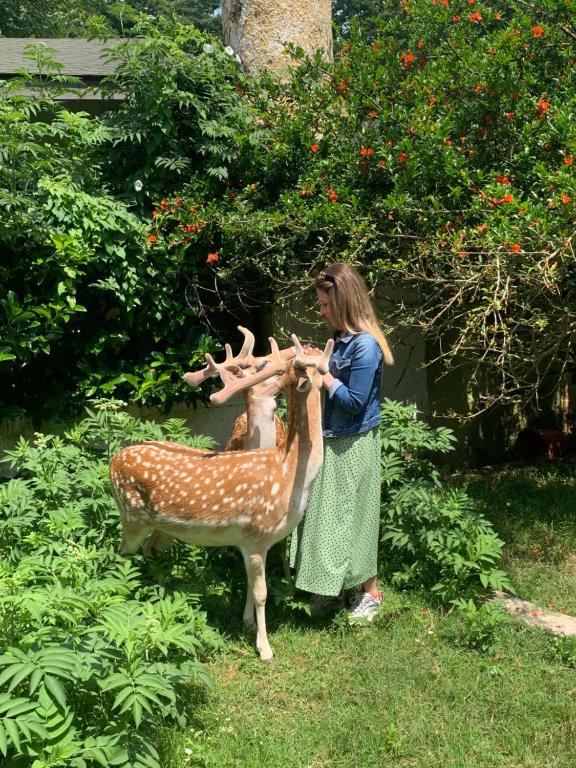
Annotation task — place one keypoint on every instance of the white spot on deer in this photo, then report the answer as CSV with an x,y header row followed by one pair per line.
x,y
275,488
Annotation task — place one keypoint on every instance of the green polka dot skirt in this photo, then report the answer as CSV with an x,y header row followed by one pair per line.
x,y
336,544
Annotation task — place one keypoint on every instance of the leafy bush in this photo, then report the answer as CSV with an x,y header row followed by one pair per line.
x,y
96,657
433,538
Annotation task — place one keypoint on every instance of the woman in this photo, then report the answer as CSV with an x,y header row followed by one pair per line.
x,y
335,548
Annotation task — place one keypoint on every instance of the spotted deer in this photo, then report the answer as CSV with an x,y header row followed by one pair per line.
x,y
256,427
249,499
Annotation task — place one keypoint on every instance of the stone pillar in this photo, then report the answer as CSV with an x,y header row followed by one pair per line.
x,y
256,30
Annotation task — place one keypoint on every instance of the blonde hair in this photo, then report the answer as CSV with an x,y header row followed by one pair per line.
x,y
350,305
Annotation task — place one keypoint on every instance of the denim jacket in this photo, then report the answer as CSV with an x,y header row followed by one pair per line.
x,y
353,402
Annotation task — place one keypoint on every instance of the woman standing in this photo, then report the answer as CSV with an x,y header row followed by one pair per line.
x,y
336,545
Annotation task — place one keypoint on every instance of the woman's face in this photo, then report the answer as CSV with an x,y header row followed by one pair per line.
x,y
324,305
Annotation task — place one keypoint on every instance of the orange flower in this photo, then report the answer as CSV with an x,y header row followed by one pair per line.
x,y
332,195
178,201
366,151
402,157
566,199
152,239
164,205
509,115
375,47
507,199
475,17
314,147
516,248
456,18
482,227
503,179
537,31
372,115
154,214
569,160
448,142
342,87
542,107
381,164
212,257
420,44
498,17
534,614
445,3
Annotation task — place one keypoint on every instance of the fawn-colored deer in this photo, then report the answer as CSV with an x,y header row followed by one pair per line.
x,y
256,427
249,499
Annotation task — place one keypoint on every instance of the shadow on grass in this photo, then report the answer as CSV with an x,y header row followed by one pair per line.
x,y
532,508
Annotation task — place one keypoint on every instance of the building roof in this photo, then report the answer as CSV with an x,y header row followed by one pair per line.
x,y
79,57
89,60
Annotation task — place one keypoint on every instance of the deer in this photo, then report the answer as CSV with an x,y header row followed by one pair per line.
x,y
248,499
258,426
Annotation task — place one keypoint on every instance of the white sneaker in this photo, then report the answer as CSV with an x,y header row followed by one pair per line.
x,y
365,607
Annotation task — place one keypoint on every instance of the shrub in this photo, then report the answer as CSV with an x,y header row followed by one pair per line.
x,y
96,659
433,538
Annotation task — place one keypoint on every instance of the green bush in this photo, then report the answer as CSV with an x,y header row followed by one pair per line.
x,y
96,658
432,536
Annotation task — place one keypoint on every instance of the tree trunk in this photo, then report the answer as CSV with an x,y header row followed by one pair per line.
x,y
257,29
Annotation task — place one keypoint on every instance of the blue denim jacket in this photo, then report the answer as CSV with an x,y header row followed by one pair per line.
x,y
352,404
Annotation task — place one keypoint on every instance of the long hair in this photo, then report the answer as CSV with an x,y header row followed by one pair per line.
x,y
350,304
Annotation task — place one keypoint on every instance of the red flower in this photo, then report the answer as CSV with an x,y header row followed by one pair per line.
x,y
372,115
537,31
542,107
507,199
516,248
366,151
534,614
178,201
152,239
332,195
212,257
314,147
502,179
509,115
569,160
475,17
566,199
402,157
164,205
445,3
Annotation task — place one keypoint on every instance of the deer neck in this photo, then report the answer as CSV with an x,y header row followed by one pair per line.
x,y
304,449
261,431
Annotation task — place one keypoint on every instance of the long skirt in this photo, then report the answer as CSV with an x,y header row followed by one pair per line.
x,y
335,546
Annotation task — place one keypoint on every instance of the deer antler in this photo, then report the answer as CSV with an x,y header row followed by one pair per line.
x,y
276,365
243,359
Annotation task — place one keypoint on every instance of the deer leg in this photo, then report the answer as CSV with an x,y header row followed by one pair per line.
x,y
249,618
134,536
258,584
158,541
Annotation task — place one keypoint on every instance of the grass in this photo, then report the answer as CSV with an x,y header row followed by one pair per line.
x,y
408,691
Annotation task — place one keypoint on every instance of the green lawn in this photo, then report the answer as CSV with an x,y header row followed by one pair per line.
x,y
408,692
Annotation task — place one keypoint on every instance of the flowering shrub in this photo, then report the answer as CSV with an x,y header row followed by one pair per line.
x,y
437,153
